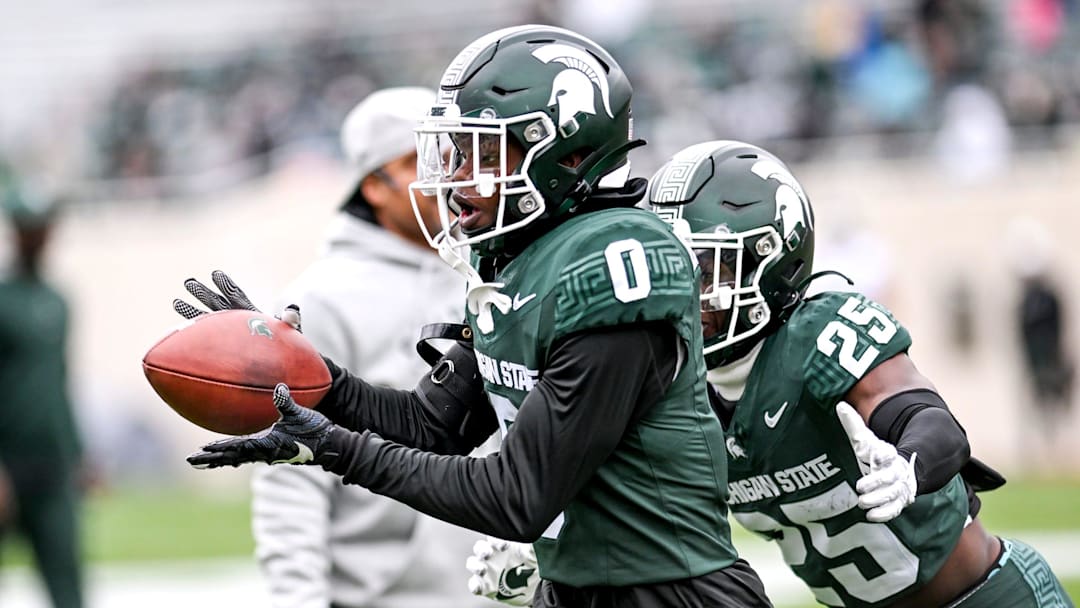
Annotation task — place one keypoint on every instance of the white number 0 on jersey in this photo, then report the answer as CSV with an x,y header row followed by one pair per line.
x,y
629,270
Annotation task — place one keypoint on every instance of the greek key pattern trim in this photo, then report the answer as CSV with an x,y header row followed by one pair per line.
x,y
674,180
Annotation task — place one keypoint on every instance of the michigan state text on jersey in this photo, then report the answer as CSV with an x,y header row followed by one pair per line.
x,y
871,505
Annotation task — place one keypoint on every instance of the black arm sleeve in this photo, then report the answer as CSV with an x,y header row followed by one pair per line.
x,y
595,384
447,413
919,422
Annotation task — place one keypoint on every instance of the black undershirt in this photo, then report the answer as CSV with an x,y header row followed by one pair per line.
x,y
593,387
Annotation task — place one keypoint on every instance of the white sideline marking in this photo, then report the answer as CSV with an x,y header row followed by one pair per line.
x,y
223,582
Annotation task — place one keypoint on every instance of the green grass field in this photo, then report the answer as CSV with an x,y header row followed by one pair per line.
x,y
137,525
140,525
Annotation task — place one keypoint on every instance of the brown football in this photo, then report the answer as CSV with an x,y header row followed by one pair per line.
x,y
219,371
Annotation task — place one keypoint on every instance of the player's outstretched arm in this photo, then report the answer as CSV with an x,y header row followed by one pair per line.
x,y
566,428
447,414
568,425
300,436
898,405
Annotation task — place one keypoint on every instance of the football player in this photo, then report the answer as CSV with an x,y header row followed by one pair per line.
x,y
840,450
583,311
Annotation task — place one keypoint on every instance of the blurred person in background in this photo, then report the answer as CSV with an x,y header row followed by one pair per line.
x,y
40,447
1041,324
959,307
1042,327
973,141
318,541
957,37
886,77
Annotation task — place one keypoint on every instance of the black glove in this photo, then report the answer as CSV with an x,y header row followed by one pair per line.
x,y
230,298
300,436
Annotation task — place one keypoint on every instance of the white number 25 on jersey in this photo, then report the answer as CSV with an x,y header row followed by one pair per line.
x,y
899,566
838,334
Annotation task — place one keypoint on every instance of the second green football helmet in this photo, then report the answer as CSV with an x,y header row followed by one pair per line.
x,y
751,226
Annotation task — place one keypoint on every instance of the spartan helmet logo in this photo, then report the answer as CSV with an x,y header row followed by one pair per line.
x,y
792,208
573,88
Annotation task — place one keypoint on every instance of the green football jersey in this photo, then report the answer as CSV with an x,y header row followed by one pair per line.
x,y
654,510
792,469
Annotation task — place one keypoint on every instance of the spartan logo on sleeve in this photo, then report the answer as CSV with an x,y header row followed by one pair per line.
x,y
792,207
573,88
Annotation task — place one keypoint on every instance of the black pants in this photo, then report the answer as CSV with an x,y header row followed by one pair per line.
x,y
46,503
736,586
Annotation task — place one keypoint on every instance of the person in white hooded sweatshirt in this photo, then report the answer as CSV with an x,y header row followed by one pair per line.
x,y
321,543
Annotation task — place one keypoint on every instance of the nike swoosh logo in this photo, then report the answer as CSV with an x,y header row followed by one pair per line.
x,y
303,455
772,419
520,301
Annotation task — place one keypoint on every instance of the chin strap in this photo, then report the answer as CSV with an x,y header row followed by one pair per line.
x,y
453,258
458,332
818,275
481,295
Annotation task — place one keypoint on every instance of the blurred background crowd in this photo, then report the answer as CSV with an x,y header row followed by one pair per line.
x,y
164,107
940,138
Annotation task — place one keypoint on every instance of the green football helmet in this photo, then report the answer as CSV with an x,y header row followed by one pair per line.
x,y
554,94
751,227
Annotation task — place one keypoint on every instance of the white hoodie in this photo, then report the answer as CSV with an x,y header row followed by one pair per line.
x,y
318,541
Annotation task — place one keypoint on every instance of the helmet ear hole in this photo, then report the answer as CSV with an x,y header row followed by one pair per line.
x,y
575,158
